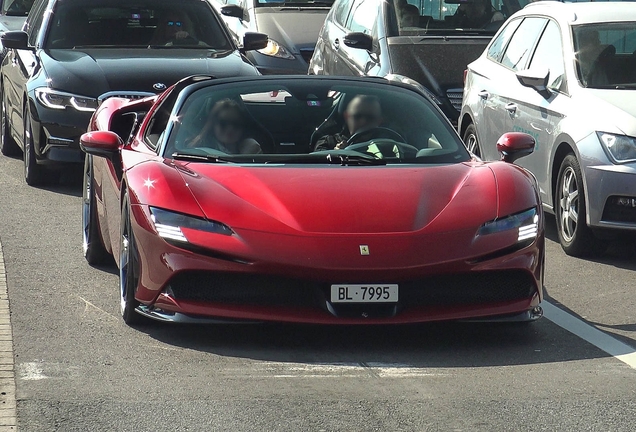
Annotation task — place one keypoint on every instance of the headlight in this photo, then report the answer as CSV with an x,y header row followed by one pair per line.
x,y
168,224
274,49
621,148
526,223
58,100
420,87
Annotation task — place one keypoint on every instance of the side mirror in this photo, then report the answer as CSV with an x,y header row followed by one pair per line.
x,y
101,143
535,79
515,145
15,40
359,40
234,11
254,41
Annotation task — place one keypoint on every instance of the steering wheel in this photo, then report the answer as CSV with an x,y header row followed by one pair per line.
x,y
384,139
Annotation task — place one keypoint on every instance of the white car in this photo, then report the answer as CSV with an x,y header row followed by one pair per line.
x,y
564,73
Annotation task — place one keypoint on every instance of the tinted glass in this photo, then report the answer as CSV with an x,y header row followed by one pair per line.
x,y
315,3
499,43
266,118
363,16
34,21
549,55
522,42
341,11
118,23
606,54
17,7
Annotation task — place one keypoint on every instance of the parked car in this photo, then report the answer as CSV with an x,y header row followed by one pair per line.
x,y
13,13
292,27
426,41
73,54
565,73
209,216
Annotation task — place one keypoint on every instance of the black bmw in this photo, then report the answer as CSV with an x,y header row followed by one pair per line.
x,y
73,54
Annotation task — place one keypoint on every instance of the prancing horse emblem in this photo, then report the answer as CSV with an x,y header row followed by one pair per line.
x,y
159,86
364,250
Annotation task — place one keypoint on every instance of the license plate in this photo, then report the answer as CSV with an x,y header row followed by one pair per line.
x,y
360,293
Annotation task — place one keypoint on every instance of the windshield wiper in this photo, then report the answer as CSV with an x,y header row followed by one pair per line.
x,y
331,157
202,158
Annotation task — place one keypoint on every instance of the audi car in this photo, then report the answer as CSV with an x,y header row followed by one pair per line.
x,y
217,205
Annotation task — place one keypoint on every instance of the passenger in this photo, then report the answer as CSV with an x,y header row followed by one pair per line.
x,y
409,16
476,14
363,112
589,50
226,130
172,28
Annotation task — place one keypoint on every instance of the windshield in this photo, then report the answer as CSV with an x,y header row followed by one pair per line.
x,y
17,7
143,23
605,54
416,17
307,3
312,121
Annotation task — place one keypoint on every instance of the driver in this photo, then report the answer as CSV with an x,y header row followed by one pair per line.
x,y
363,112
476,14
172,27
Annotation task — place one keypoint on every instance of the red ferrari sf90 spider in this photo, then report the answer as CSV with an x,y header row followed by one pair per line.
x,y
309,200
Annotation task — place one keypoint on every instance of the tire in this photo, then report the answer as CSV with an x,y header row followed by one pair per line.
x,y
575,236
470,140
8,147
94,250
33,173
128,268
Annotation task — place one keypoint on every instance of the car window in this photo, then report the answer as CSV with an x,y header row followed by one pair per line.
x,y
341,10
520,47
273,117
363,16
34,22
143,23
496,48
16,7
549,56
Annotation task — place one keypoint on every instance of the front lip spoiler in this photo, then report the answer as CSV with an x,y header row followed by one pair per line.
x,y
526,316
179,318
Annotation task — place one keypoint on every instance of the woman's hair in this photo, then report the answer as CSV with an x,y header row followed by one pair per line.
x,y
225,105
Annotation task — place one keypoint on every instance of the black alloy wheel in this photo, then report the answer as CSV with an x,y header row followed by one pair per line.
x,y
128,268
33,173
8,146
94,250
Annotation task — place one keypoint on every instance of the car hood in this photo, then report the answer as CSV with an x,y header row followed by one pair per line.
x,y
295,29
342,200
613,107
92,72
11,23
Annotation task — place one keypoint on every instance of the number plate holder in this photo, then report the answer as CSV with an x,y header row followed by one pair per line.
x,y
364,293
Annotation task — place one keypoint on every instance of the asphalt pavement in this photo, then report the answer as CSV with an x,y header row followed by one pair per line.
x,y
80,368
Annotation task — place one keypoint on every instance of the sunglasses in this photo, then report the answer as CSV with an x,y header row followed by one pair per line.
x,y
174,23
364,116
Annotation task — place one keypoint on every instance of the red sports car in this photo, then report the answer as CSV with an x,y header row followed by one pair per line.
x,y
309,200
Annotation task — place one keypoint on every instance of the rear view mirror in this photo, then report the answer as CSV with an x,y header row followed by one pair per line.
x,y
359,40
101,143
15,40
234,11
254,41
535,79
515,145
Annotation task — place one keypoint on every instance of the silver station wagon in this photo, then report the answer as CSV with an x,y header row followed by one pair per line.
x,y
564,73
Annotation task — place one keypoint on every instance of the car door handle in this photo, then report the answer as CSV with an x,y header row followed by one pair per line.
x,y
483,94
336,43
511,108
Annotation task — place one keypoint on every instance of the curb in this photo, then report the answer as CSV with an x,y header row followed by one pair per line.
x,y
8,415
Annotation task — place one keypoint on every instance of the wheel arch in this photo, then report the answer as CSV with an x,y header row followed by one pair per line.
x,y
564,148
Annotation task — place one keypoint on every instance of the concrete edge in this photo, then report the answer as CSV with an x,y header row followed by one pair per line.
x,y
8,413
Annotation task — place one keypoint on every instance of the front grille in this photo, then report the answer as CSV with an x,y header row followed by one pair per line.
x,y
307,54
260,290
124,95
455,96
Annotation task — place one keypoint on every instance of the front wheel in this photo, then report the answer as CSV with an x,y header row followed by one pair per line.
x,y
33,173
8,147
471,141
128,268
94,250
575,236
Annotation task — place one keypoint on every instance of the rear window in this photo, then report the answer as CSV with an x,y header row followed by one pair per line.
x,y
144,23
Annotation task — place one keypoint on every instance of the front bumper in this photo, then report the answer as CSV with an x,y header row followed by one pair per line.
x,y
56,135
181,283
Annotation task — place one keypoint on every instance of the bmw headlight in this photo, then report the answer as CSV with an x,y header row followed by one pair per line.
x,y
168,224
420,87
274,49
526,223
622,148
58,100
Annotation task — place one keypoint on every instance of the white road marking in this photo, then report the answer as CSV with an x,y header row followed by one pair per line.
x,y
31,371
91,305
591,334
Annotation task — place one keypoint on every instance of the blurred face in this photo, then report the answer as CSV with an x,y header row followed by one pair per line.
x,y
363,115
173,25
228,128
